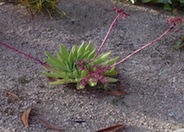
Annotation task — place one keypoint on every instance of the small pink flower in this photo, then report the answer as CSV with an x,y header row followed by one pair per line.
x,y
121,11
95,75
175,20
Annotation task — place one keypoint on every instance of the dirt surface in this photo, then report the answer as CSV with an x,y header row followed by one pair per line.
x,y
153,78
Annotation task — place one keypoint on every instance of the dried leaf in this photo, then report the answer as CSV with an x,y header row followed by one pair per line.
x,y
11,94
116,92
48,125
25,117
113,128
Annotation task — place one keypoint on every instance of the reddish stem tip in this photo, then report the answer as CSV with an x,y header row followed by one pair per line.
x,y
175,20
121,11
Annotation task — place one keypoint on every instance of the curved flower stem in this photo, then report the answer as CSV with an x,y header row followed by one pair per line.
x,y
20,52
107,35
147,45
120,13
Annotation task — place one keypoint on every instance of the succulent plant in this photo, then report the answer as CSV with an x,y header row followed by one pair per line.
x,y
80,66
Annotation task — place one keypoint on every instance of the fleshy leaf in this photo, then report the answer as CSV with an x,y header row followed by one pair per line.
x,y
112,80
101,58
92,83
81,50
110,62
63,52
61,81
83,73
55,75
79,86
111,72
91,54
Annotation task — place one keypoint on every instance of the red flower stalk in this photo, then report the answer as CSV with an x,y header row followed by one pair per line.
x,y
20,52
172,21
120,12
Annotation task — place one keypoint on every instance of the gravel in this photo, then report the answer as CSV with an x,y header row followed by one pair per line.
x,y
153,78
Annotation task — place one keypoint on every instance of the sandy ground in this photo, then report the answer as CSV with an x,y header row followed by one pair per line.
x,y
153,78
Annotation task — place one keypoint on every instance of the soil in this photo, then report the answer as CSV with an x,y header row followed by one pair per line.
x,y
154,78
